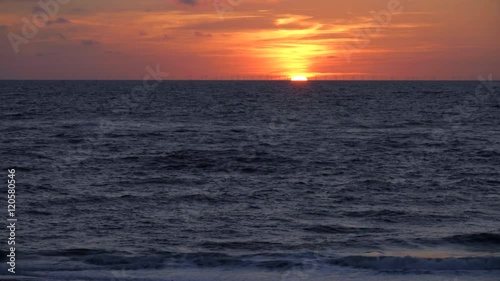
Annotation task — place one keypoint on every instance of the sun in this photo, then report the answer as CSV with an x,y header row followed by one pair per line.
x,y
299,78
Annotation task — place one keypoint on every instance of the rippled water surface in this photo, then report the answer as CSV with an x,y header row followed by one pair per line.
x,y
254,180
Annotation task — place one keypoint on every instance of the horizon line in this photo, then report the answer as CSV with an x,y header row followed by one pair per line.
x,y
262,80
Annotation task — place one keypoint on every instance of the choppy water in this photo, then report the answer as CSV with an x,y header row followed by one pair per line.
x,y
254,180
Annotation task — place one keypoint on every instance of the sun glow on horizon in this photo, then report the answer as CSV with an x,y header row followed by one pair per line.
x,y
299,78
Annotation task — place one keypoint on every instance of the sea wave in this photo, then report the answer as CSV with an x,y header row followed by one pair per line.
x,y
414,263
94,259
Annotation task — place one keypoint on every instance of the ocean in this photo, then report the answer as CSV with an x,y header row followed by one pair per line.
x,y
252,180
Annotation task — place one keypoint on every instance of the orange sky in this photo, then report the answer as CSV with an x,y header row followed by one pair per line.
x,y
241,39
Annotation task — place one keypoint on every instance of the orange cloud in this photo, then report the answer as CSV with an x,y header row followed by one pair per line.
x,y
312,38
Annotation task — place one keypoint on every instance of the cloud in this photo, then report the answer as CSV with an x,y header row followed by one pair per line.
x,y
89,42
58,21
113,52
202,35
79,11
61,36
38,9
189,2
42,54
50,35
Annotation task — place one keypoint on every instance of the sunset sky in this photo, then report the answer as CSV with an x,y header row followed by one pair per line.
x,y
240,39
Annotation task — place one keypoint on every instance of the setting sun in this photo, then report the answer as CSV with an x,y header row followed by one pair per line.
x,y
299,78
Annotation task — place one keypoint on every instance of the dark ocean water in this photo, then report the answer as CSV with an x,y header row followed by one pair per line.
x,y
253,180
